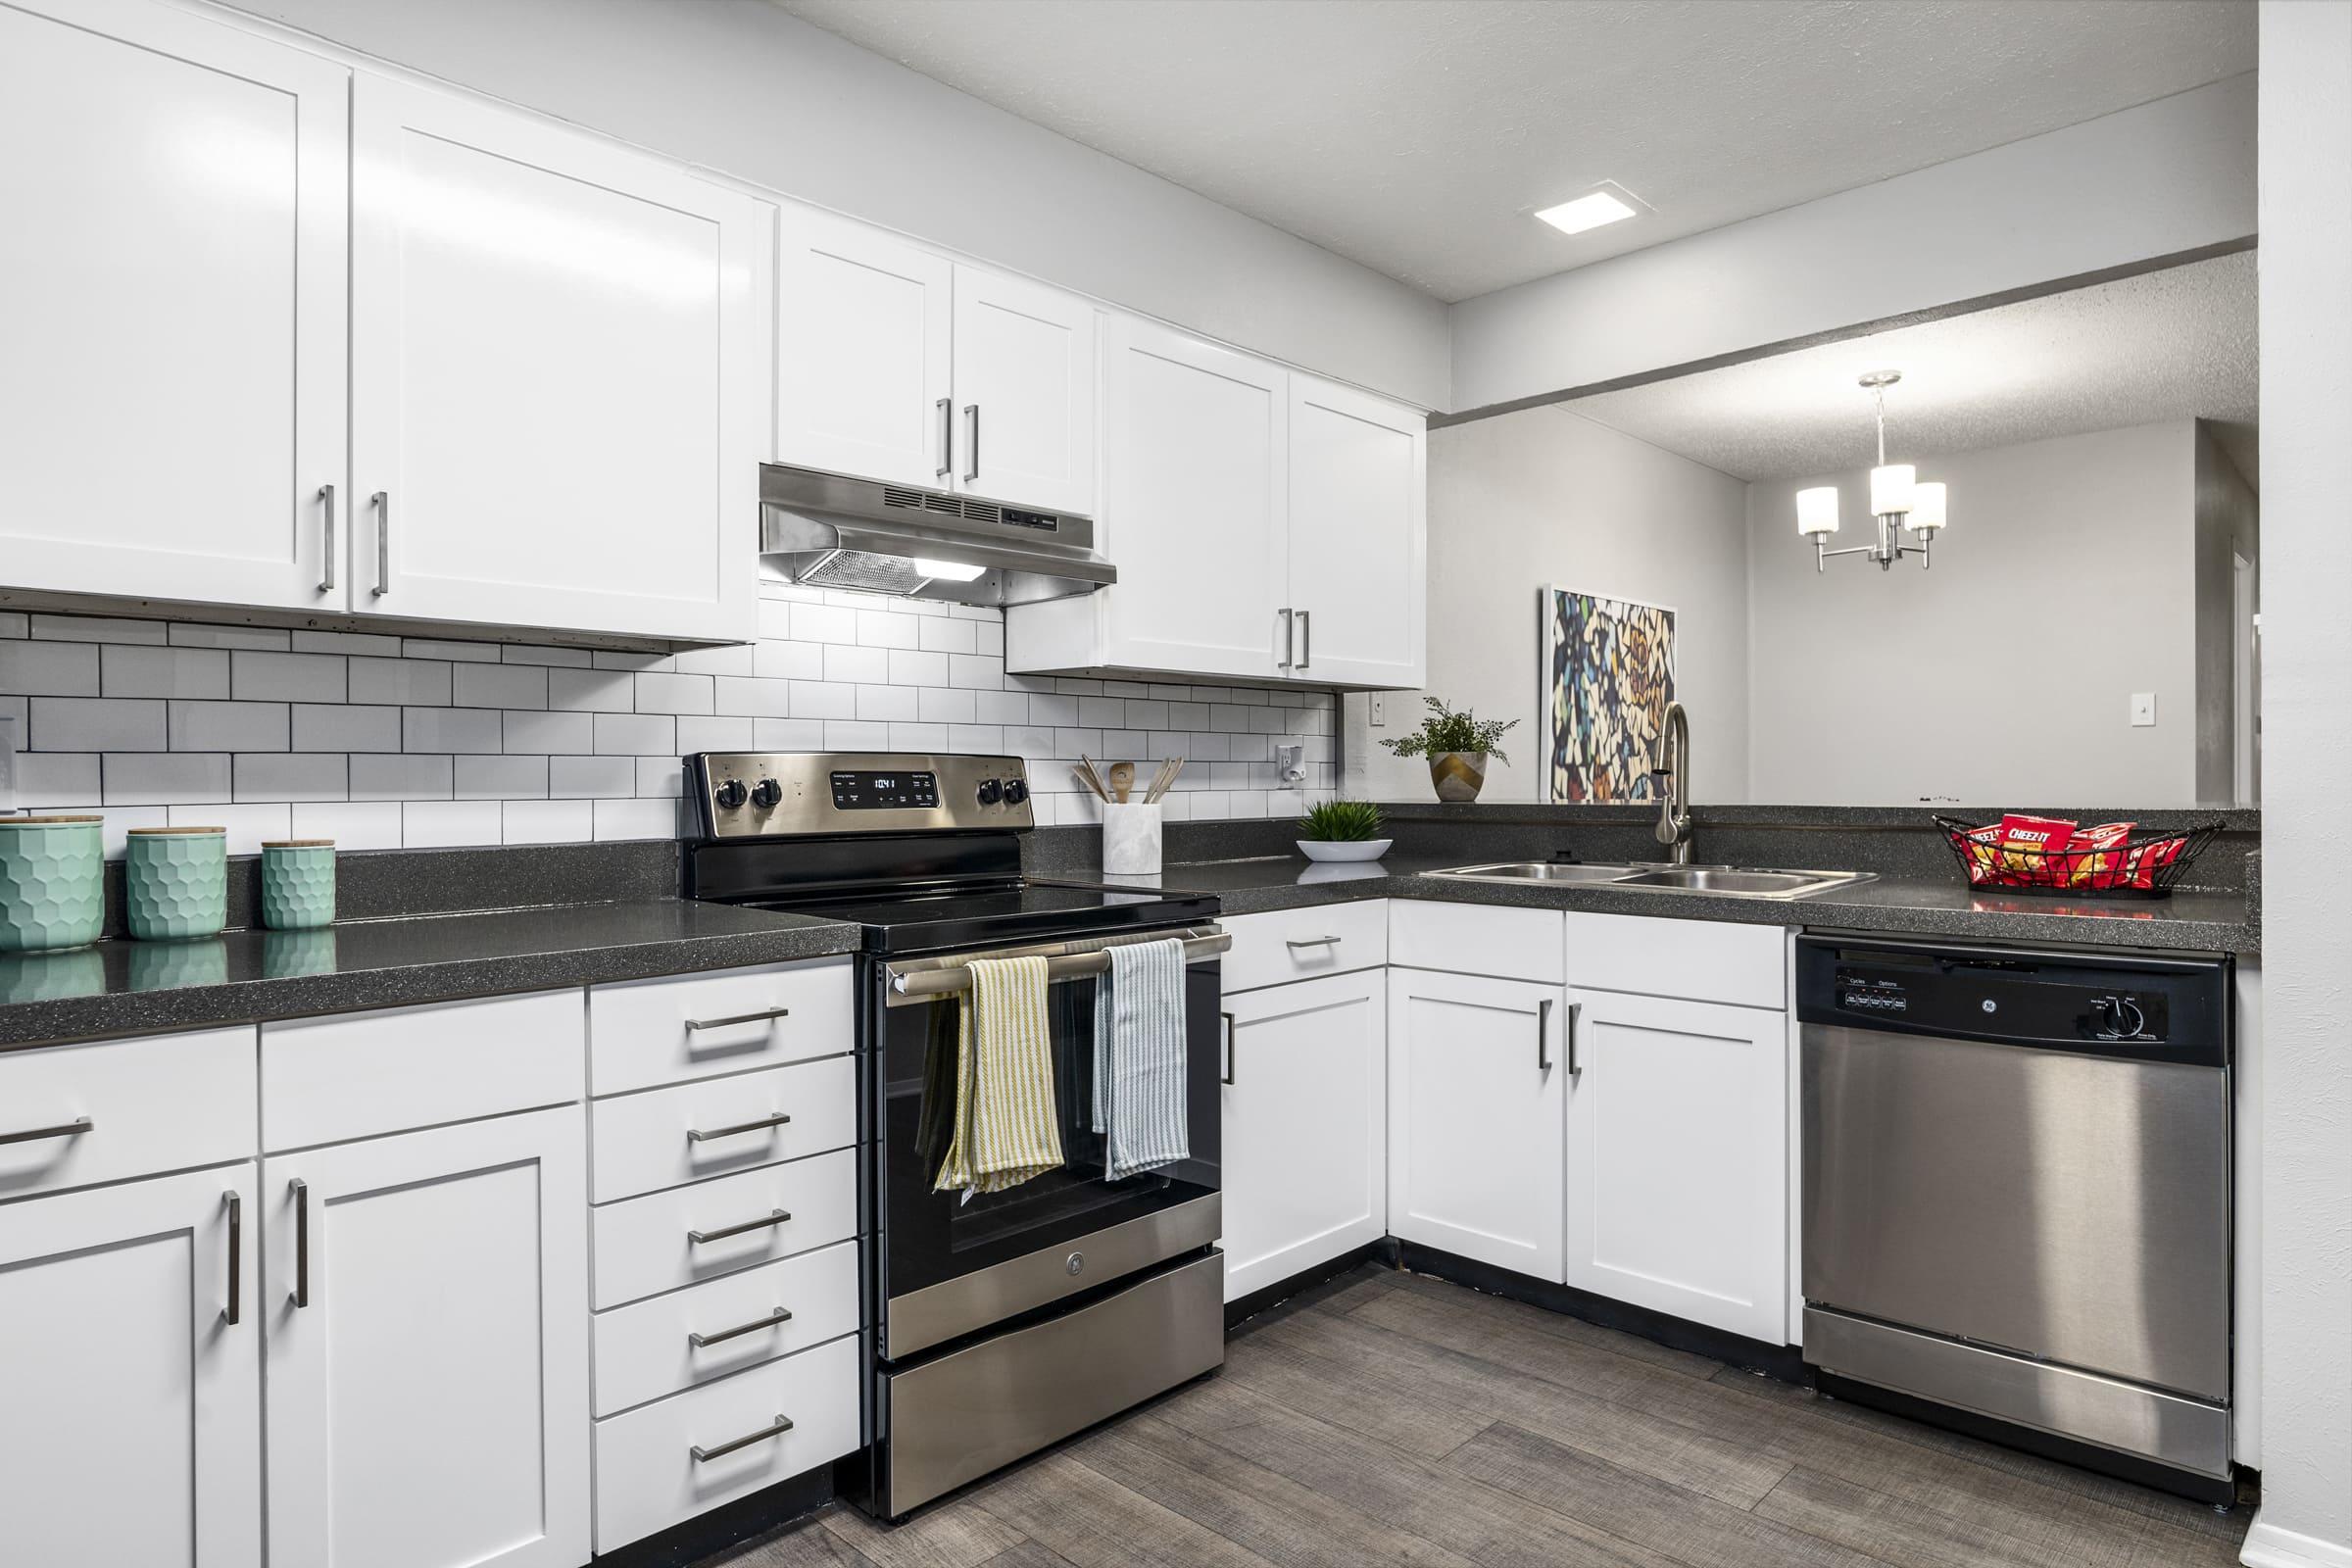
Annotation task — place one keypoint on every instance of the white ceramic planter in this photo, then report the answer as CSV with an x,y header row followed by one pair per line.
x,y
1354,850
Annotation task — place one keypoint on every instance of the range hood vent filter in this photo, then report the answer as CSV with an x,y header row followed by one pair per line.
x,y
862,570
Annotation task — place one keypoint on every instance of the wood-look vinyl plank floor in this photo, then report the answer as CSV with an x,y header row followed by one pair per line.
x,y
1393,1418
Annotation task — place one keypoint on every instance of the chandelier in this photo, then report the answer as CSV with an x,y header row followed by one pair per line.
x,y
1897,501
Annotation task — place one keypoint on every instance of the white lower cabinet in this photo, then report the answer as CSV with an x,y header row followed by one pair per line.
x,y
1677,1159
1476,1120
1305,1131
131,1384
427,1313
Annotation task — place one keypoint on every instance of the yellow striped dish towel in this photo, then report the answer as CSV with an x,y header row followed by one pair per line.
x,y
1007,1124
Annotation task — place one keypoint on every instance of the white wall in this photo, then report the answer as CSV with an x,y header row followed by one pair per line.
x,y
2307,707
2065,583
2160,178
1544,496
2229,526
741,88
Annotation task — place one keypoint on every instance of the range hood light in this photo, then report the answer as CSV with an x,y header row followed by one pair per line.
x,y
947,570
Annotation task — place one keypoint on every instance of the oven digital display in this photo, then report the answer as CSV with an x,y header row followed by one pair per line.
x,y
884,792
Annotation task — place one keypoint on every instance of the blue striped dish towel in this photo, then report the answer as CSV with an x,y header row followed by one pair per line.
x,y
1139,1094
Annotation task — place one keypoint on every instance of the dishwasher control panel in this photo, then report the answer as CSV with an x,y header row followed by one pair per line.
x,y
2149,1010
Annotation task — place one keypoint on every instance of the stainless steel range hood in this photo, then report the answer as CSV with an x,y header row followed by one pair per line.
x,y
833,531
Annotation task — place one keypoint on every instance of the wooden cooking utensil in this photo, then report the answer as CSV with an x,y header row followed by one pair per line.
x,y
1122,779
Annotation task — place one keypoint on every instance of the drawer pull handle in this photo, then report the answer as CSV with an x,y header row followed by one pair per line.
x,y
1311,942
775,1217
236,1258
698,1135
70,1129
302,1244
1227,1076
779,1316
692,1024
703,1456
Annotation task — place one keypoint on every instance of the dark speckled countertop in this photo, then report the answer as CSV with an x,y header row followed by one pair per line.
x,y
125,988
2202,921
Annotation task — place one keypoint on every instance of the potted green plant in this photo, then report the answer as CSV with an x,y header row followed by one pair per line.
x,y
1343,831
1458,746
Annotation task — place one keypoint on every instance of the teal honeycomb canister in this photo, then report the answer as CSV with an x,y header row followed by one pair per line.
x,y
52,882
298,884
175,882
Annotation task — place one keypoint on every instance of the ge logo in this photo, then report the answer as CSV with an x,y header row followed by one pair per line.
x,y
1992,1005
1076,1263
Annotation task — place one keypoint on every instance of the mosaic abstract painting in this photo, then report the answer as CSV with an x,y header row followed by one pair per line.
x,y
1608,674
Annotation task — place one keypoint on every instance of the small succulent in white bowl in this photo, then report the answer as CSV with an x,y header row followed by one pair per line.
x,y
1343,831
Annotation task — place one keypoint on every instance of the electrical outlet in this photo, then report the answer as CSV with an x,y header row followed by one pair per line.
x,y
2143,710
1380,709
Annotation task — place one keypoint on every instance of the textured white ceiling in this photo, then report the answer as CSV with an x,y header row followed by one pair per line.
x,y
1416,136
2175,344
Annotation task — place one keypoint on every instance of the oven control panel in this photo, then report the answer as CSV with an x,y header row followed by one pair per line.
x,y
782,794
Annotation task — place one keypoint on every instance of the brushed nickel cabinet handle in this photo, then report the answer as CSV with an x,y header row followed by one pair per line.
x,y
302,1244
775,1217
1543,1035
946,438
971,441
64,1128
326,578
699,1135
703,1456
692,1024
1290,639
1310,942
1229,1050
382,501
779,1316
1306,639
1576,1010
236,1257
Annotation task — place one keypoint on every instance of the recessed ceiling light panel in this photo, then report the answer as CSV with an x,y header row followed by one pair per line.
x,y
1607,203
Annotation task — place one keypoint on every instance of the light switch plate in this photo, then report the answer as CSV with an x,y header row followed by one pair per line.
x,y
2143,710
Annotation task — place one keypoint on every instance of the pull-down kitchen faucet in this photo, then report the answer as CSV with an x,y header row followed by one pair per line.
x,y
1670,777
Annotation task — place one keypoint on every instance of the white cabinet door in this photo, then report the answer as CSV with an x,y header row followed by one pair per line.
x,y
1024,392
172,259
1194,487
862,346
1358,539
559,375
1305,1126
428,1300
130,1426
1678,1187
1476,1084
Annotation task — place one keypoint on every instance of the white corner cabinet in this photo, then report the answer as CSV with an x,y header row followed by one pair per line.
x,y
549,352
320,1290
900,364
1267,526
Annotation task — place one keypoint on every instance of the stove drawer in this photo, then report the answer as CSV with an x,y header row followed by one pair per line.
x,y
646,1245
646,1475
646,1351
644,1142
650,1032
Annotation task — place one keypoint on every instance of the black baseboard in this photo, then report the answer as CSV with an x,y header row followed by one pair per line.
x,y
1242,1308
2066,1450
728,1524
1783,1362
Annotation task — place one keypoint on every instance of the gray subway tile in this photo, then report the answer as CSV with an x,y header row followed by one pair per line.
x,y
287,677
201,726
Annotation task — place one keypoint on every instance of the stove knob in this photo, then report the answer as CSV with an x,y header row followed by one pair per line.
x,y
1015,791
766,793
729,795
990,791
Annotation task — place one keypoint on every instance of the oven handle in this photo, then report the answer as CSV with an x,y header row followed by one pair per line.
x,y
938,977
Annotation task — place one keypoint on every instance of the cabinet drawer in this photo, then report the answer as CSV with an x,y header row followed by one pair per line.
x,y
1475,938
647,1477
646,1244
645,1142
652,1032
1302,944
646,1351
1697,961
355,1075
161,1103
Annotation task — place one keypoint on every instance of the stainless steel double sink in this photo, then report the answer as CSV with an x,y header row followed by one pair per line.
x,y
1722,881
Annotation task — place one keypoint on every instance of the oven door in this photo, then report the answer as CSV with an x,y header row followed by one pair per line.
x,y
952,1263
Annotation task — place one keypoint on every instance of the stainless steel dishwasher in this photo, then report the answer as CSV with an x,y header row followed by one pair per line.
x,y
2017,1200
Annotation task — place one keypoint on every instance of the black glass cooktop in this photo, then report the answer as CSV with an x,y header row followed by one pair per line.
x,y
997,916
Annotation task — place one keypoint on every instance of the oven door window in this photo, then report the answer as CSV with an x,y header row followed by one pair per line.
x,y
933,1235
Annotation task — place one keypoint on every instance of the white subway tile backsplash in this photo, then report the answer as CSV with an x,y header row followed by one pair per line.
x,y
498,686
636,820
352,824
936,705
1107,713
549,821
1001,707
823,624
546,734
605,691
734,660
991,640
857,666
661,775
121,819
636,734
406,682
400,777
161,778
664,693
345,727
346,642
607,659
49,669
758,695
526,653
855,735
451,824
887,703
259,677
196,726
908,668
248,826
191,634
975,673
143,671
587,777
788,734
1045,708
48,779
976,737
816,699
100,629
947,636
881,628
97,724
15,623
291,776
460,653
918,737
783,660
498,779
715,735
451,729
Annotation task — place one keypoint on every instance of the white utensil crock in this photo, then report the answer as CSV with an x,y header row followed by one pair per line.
x,y
1130,839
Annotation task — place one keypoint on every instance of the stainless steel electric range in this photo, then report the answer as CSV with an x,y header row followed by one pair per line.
x,y
1001,1322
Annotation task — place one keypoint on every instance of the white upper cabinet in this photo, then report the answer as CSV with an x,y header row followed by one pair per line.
x,y
1024,392
173,260
559,392
864,344
1359,538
